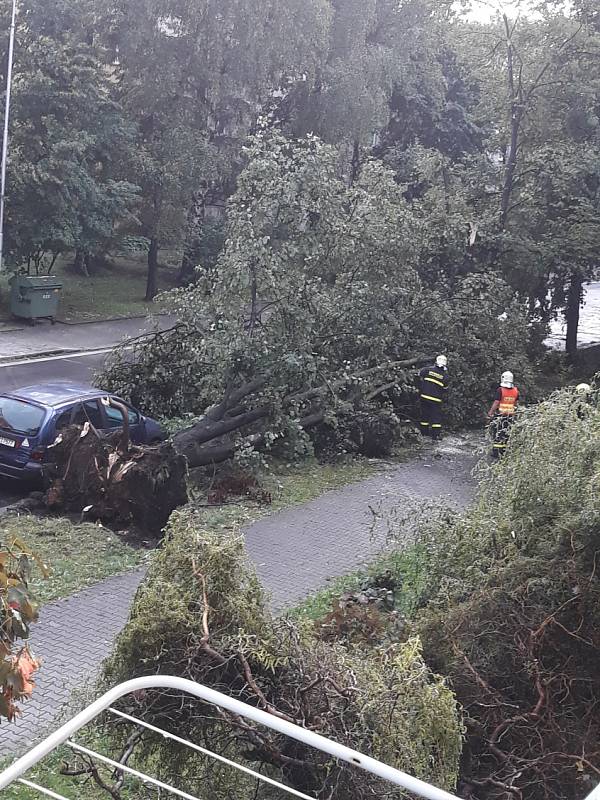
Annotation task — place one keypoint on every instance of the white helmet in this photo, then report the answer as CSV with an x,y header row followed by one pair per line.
x,y
507,381
583,388
441,361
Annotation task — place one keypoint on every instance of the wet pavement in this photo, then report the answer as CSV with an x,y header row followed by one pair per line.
x,y
589,322
44,338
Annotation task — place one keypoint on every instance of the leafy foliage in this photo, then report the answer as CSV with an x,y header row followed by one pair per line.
x,y
130,118
18,610
509,604
68,132
201,613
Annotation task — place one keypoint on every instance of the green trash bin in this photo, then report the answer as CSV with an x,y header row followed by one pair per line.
x,y
34,297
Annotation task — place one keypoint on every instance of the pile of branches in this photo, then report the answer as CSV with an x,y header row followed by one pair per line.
x,y
200,613
523,657
511,596
367,616
110,479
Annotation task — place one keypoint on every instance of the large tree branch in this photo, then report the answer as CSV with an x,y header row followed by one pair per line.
x,y
206,430
232,398
319,391
203,443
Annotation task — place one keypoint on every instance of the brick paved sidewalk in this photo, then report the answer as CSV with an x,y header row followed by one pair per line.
x,y
295,552
298,550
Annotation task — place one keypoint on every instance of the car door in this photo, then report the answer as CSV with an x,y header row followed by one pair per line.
x,y
114,420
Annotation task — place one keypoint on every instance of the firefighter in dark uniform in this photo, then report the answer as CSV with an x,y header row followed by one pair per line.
x,y
433,388
502,413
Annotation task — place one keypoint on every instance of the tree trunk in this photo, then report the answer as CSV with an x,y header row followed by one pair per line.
x,y
355,167
152,281
516,115
572,315
195,216
80,263
186,268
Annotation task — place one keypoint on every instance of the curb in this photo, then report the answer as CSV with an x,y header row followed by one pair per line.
x,y
74,323
110,319
32,356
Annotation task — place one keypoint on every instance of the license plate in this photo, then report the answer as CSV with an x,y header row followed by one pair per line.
x,y
7,442
46,296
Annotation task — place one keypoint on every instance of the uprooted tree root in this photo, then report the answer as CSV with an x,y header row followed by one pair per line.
x,y
113,480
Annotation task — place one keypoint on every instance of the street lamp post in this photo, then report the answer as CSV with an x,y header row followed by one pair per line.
x,y
11,47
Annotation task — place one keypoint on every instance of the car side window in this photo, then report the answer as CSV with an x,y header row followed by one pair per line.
x,y
64,419
89,411
115,418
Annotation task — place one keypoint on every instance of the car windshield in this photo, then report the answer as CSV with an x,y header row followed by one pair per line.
x,y
19,416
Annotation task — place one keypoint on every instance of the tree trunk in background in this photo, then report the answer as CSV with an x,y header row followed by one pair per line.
x,y
152,281
195,216
516,116
572,311
80,263
355,165
186,268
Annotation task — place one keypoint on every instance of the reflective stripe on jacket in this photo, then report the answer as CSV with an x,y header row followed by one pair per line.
x,y
508,401
433,383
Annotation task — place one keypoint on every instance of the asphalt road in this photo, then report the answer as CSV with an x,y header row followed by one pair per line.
x,y
25,373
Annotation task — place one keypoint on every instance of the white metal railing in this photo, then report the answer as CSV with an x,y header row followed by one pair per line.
x,y
15,772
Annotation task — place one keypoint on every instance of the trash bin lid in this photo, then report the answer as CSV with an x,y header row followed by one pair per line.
x,y
37,281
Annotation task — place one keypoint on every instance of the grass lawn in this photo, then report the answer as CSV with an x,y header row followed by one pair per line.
x,y
406,567
111,291
298,483
77,555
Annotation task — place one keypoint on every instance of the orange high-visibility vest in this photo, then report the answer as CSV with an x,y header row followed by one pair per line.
x,y
508,401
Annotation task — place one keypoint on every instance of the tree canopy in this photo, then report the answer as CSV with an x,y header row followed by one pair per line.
x,y
131,120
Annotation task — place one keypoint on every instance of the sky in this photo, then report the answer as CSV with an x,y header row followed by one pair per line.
x,y
479,13
482,10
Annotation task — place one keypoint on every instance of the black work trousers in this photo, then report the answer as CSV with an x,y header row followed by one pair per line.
x,y
431,418
501,425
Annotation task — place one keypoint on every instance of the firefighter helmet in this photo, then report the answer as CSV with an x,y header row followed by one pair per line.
x,y
583,388
441,361
507,381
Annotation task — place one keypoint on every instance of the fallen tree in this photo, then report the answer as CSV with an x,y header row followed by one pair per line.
x,y
210,439
311,325
201,613
508,607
